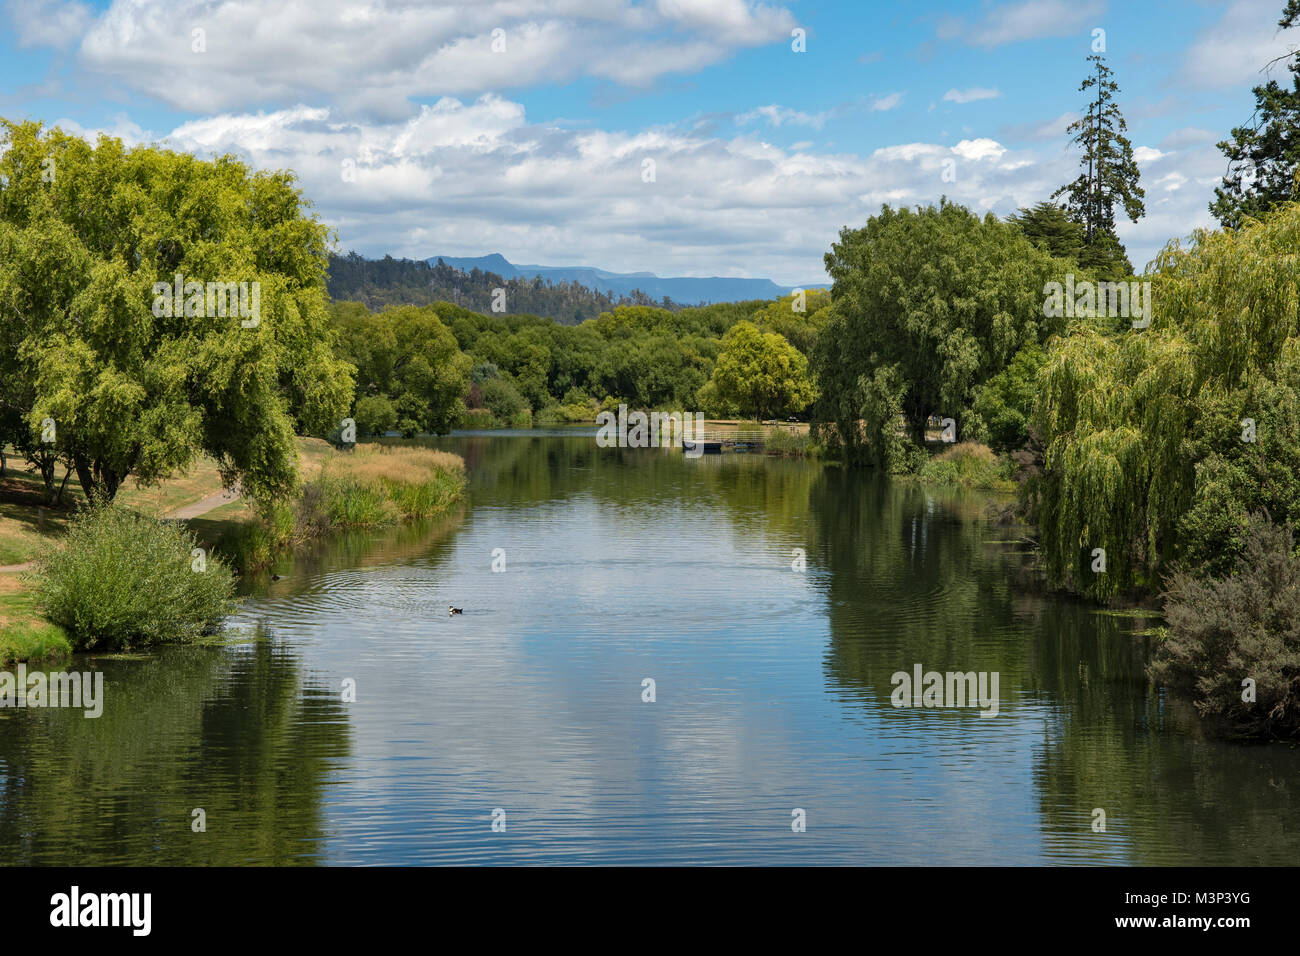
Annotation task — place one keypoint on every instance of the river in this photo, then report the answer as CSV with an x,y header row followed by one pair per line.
x,y
772,694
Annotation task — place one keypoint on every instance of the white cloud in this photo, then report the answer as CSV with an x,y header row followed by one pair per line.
x,y
1146,154
474,176
970,95
888,102
48,23
372,59
979,149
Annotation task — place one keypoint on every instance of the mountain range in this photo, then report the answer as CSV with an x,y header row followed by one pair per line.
x,y
686,290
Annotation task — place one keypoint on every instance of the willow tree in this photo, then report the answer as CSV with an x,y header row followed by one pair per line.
x,y
927,305
156,306
1160,442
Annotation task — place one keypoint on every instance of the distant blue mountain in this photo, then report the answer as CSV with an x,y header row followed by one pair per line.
x,y
684,290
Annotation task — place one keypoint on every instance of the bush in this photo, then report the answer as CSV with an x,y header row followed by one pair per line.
x,y
504,400
1246,625
123,580
969,465
1005,402
786,443
378,485
477,418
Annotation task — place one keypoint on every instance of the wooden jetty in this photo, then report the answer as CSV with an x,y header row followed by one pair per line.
x,y
716,441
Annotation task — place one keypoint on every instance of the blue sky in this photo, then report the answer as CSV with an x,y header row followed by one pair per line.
x,y
414,136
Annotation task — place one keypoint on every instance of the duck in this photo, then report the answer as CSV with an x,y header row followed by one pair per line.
x,y
275,577
455,610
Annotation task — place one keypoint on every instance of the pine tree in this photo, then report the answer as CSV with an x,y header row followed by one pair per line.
x,y
1110,173
1264,158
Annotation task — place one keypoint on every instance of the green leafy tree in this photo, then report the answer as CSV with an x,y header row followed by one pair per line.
x,y
760,373
375,415
503,400
1110,174
410,358
1263,157
1159,444
1005,402
798,328
132,388
927,305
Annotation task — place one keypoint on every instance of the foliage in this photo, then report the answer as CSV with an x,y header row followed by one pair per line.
x,y
1147,449
502,399
927,306
761,373
644,357
408,358
123,580
1264,158
1225,630
1050,228
798,328
1005,402
967,464
85,234
375,415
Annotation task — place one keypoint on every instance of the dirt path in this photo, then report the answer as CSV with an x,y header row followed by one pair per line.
x,y
223,497
183,513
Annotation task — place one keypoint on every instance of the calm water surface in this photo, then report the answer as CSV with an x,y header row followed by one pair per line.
x,y
773,693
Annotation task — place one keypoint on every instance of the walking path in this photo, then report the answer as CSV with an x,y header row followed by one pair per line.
x,y
184,513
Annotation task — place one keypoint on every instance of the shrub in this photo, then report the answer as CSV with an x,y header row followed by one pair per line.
x,y
1246,625
123,580
970,465
477,418
789,444
1005,402
501,396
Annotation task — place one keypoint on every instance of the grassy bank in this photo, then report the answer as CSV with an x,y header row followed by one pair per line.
x,y
24,636
370,486
969,465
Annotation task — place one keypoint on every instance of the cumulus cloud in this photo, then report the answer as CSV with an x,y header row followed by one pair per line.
x,y
474,176
209,56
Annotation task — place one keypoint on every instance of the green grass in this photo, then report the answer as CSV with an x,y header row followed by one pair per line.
x,y
23,636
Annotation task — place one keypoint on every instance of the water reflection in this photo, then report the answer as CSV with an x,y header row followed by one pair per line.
x,y
773,693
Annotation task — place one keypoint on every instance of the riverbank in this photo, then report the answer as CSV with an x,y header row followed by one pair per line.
x,y
368,486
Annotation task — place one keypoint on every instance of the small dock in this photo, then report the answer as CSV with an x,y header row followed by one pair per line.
x,y
716,441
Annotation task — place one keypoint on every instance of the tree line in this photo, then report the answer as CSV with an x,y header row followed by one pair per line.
x,y
378,283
